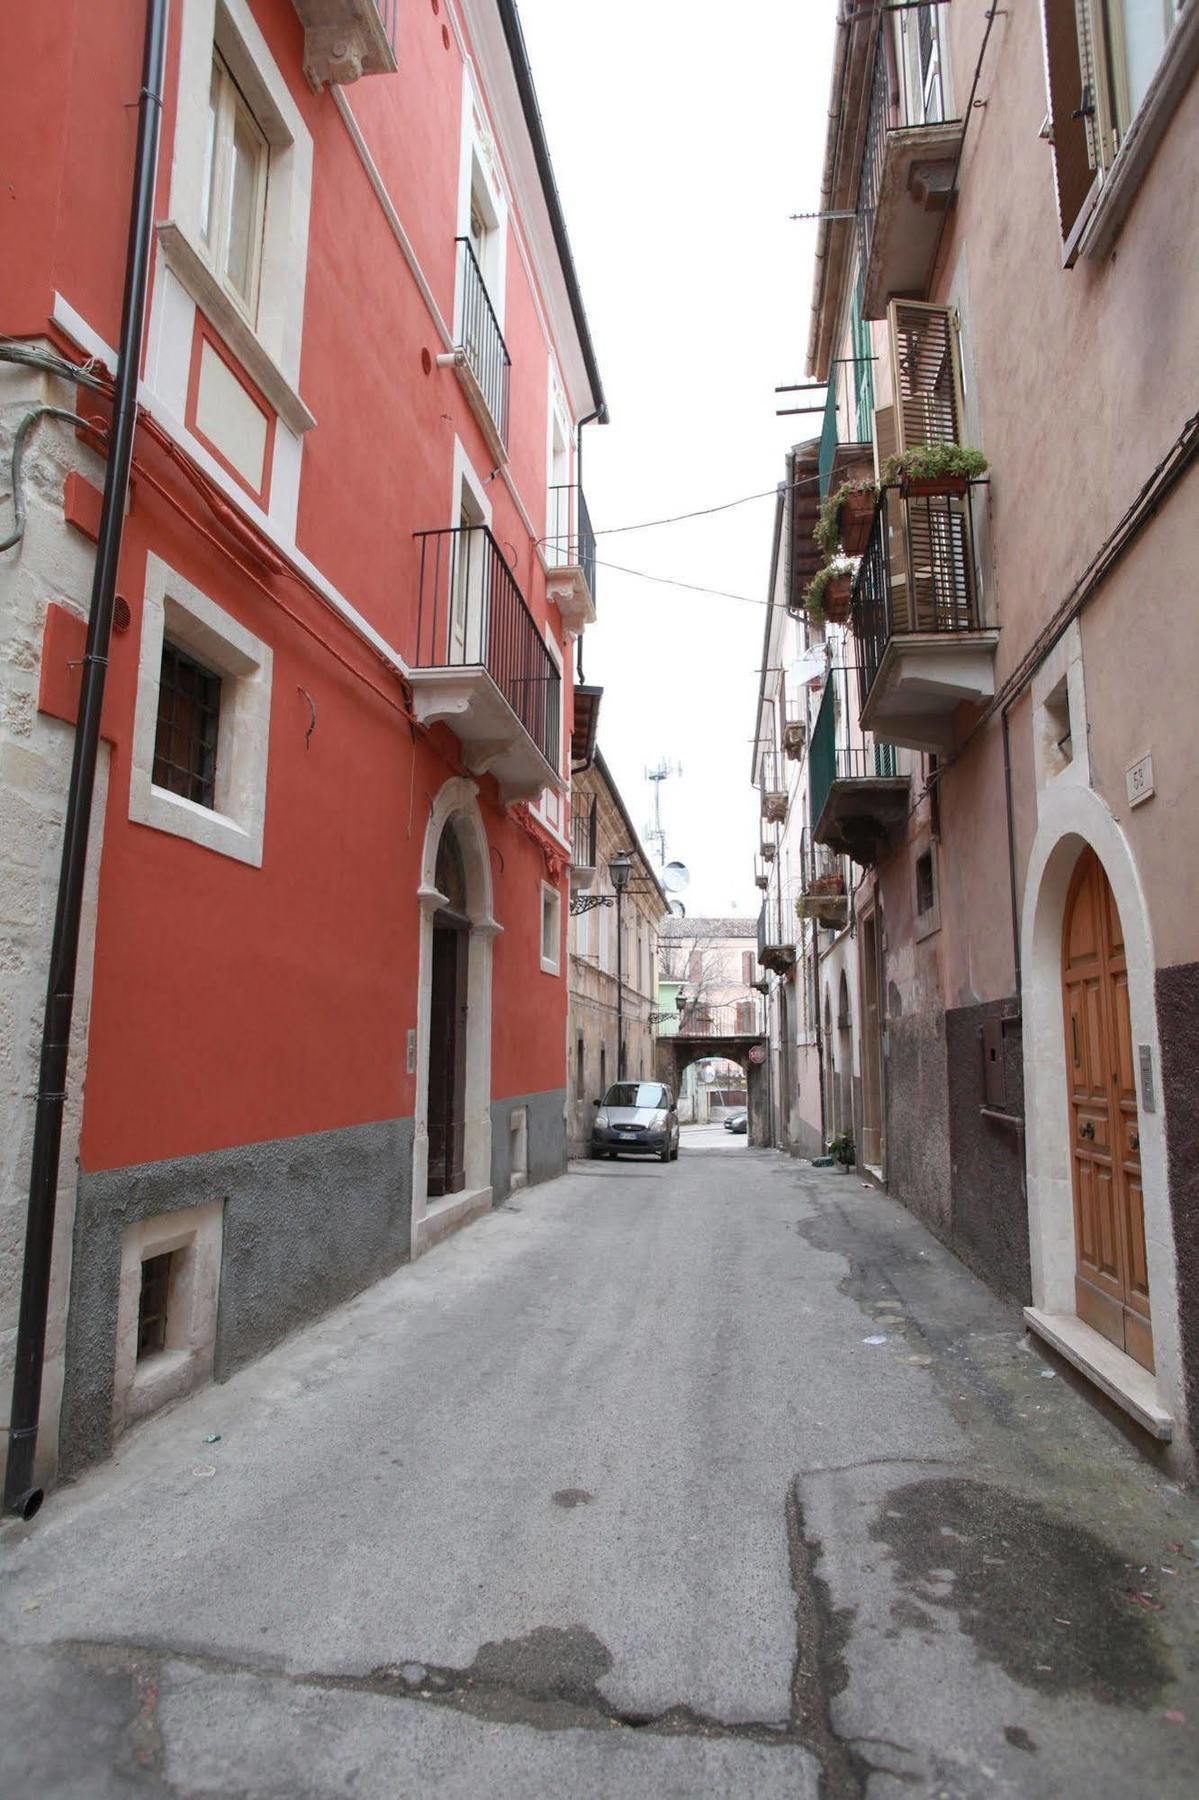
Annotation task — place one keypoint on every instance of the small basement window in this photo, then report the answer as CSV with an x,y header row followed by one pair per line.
x,y
185,743
153,1303
925,890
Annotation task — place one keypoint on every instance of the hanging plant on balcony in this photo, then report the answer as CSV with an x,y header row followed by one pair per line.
x,y
827,595
846,518
946,469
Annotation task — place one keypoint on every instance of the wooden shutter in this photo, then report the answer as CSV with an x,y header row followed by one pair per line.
x,y
1073,89
924,372
884,437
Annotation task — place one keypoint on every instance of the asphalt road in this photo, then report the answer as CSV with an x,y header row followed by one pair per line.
x,y
712,1478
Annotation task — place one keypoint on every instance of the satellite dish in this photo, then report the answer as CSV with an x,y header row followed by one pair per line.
x,y
678,910
675,877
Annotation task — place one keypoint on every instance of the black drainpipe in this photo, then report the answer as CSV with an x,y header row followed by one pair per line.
x,y
20,1494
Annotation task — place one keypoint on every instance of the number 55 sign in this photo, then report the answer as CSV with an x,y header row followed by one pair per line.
x,y
1139,780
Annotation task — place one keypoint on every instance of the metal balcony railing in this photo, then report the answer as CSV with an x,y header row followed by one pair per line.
x,y
777,926
472,614
569,539
730,1018
849,394
772,785
838,752
481,339
908,94
584,826
916,577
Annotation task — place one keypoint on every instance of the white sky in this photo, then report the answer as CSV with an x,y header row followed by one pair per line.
x,y
682,135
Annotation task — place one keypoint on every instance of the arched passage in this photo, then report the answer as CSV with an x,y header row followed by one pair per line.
x,y
674,1054
451,1154
1074,823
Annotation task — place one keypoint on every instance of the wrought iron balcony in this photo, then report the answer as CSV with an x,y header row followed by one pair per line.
x,y
908,167
858,796
923,650
772,786
482,666
346,39
480,355
727,1019
761,873
569,550
777,931
822,894
584,829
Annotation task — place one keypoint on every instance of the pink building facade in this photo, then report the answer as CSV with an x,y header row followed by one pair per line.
x,y
1007,263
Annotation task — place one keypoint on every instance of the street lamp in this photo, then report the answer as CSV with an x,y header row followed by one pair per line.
x,y
620,867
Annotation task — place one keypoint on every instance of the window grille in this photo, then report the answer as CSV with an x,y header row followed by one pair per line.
x,y
152,1305
185,745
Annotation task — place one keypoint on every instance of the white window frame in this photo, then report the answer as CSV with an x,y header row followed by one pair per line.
x,y
551,897
173,607
480,186
269,347
216,220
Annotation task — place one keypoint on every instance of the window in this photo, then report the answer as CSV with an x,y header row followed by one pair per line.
x,y
1102,57
551,928
233,205
152,1305
580,1069
749,968
924,99
189,711
201,723
924,882
603,1068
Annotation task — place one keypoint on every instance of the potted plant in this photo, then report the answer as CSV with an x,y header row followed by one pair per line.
x,y
945,469
828,594
832,883
846,518
842,1151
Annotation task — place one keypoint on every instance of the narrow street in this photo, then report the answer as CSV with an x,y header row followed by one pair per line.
x,y
719,1477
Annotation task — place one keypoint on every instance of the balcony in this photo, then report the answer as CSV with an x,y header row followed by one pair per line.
x,y
858,798
761,873
777,932
923,649
772,786
480,356
729,1019
346,39
482,666
822,897
849,396
569,555
908,171
584,827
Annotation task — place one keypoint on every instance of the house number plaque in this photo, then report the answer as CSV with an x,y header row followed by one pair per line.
x,y
1139,780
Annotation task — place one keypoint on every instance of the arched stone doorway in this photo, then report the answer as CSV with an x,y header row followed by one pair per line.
x,y
1074,827
451,1156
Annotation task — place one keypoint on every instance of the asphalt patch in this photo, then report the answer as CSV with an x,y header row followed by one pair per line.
x,y
1043,1597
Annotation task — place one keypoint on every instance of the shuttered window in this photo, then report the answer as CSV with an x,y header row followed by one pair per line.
x,y
925,374
1072,114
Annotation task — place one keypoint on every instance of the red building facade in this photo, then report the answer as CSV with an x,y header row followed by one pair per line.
x,y
322,1009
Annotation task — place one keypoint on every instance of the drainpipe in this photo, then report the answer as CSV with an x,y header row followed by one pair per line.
x,y
20,1494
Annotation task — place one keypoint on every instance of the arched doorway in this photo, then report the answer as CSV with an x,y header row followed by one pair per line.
x,y
451,1150
1111,1282
844,1059
830,1045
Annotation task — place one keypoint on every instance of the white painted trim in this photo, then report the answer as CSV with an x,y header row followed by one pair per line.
x,y
1071,818
142,1387
550,965
234,827
465,475
456,800
1120,1378
89,341
231,24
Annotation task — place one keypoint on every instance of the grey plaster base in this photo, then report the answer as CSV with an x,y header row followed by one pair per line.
x,y
989,1225
308,1221
1178,1027
547,1139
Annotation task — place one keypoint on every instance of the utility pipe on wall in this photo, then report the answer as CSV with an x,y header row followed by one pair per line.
x,y
20,1493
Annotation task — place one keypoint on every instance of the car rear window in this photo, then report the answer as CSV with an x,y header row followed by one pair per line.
x,y
636,1093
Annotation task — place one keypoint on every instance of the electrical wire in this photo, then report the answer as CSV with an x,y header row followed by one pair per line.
x,y
669,581
20,439
704,512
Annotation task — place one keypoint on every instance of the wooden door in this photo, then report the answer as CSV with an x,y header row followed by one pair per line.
x,y
1112,1278
447,1060
872,1080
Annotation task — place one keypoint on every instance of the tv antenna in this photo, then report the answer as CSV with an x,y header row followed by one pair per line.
x,y
655,833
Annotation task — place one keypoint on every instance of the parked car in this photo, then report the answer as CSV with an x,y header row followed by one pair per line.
x,y
738,1122
637,1117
